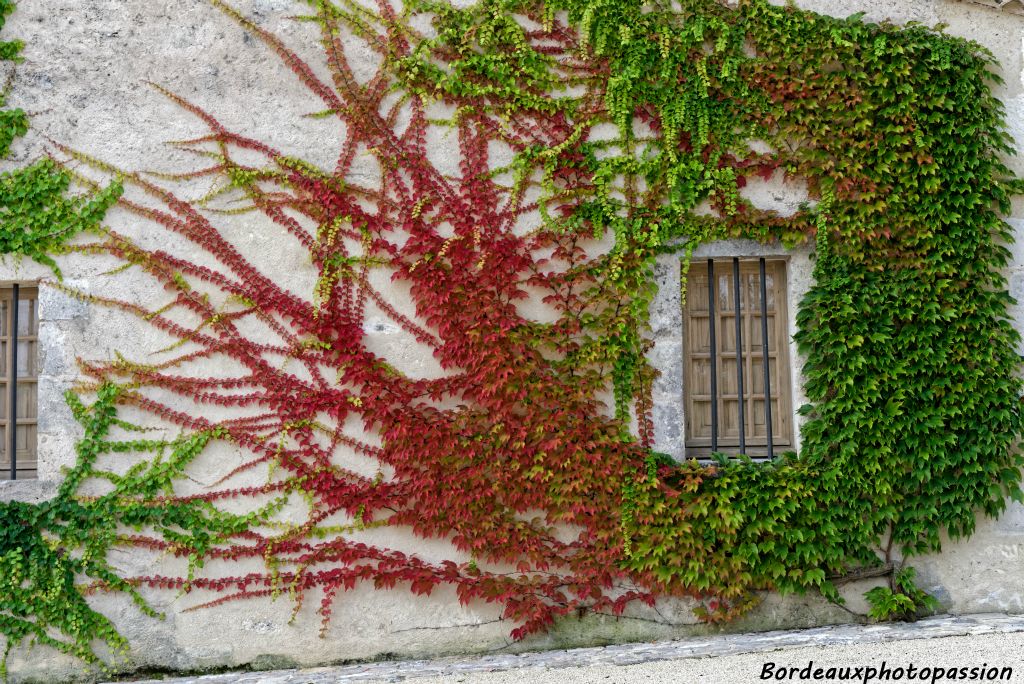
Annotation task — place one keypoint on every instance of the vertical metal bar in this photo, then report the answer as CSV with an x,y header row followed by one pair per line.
x,y
714,355
765,361
12,387
739,352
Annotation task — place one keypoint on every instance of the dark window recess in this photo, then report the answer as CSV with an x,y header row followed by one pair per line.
x,y
736,353
19,377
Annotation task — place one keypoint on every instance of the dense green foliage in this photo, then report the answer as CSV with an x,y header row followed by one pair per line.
x,y
911,358
46,548
903,601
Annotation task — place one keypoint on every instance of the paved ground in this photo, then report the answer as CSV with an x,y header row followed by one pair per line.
x,y
989,642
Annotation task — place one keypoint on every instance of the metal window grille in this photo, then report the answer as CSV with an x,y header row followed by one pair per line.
x,y
19,378
736,354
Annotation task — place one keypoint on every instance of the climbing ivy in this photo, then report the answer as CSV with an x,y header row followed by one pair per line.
x,y
37,216
627,124
911,357
13,122
46,548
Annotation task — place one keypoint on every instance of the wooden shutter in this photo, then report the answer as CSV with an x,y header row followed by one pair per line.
x,y
25,372
697,358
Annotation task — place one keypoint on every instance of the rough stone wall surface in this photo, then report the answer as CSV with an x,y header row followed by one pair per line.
x,y
84,79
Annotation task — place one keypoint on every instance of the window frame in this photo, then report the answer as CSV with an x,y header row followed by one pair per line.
x,y
27,466
784,429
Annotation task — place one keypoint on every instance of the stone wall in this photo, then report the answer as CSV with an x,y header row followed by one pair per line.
x,y
84,80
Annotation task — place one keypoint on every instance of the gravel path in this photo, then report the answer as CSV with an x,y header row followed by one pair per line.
x,y
1001,650
982,641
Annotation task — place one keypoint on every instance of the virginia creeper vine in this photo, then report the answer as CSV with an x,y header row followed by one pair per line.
x,y
642,122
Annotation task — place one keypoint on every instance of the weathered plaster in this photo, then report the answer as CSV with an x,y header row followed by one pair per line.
x,y
922,11
535,666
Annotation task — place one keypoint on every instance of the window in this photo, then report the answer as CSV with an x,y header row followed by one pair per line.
x,y
18,369
716,375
